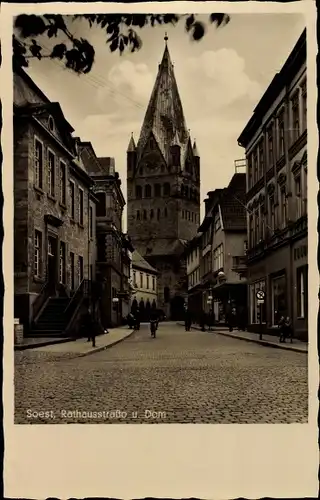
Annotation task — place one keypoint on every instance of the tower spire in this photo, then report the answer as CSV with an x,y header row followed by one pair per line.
x,y
166,38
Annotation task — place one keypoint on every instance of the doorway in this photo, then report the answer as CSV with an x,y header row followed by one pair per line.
x,y
52,260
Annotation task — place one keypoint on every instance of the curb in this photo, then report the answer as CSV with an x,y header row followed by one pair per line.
x,y
265,343
21,347
102,348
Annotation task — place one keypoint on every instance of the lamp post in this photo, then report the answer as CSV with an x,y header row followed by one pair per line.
x,y
115,301
210,302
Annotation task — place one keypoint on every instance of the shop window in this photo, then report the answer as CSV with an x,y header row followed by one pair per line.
x,y
302,292
279,299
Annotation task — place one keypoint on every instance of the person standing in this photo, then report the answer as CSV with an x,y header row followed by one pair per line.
x,y
137,319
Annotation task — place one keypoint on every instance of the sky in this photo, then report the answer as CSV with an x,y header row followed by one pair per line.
x,y
220,79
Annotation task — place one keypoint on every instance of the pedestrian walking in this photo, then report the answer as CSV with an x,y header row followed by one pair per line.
x,y
288,333
281,326
187,321
137,320
91,330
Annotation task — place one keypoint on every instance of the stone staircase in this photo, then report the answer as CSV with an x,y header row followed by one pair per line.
x,y
53,320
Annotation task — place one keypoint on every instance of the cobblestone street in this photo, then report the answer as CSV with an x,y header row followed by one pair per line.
x,y
179,377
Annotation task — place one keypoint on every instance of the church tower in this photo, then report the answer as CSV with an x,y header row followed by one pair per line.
x,y
163,185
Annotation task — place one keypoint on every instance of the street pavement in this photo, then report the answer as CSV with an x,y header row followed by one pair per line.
x,y
179,377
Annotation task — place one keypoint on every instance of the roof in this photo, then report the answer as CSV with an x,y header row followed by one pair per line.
x,y
141,263
160,247
132,145
164,118
232,204
108,165
295,60
40,109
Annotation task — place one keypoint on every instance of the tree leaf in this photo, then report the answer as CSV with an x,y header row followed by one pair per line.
x,y
198,30
30,25
58,51
189,22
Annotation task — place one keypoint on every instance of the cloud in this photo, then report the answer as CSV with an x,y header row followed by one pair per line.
x,y
227,80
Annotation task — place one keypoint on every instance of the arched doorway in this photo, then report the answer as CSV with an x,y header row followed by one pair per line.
x,y
177,308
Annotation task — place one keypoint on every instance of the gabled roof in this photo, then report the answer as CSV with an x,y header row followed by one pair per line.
x,y
232,204
50,107
141,263
164,117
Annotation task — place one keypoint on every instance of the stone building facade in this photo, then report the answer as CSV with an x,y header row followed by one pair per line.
x,y
275,140
54,222
144,279
222,249
109,235
163,183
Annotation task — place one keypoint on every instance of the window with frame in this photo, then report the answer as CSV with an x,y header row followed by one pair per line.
x,y
249,160
279,304
134,279
272,208
141,280
147,191
72,200
304,105
302,292
251,231
166,189
90,222
295,117
63,177
153,283
157,190
81,206
138,192
262,221
284,211
38,164
72,270
298,195
62,263
255,166
270,146
144,215
280,134
261,159
101,208
257,226
148,281
51,173
151,213
37,253
80,269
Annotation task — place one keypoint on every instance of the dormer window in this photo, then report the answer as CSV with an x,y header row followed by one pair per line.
x,y
51,124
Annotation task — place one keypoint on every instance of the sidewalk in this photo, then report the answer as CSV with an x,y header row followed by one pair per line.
x,y
81,347
267,340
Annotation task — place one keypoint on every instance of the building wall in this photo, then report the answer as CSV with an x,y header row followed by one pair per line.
x,y
234,245
143,289
277,202
32,205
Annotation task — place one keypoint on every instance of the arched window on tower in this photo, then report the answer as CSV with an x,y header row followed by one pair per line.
x,y
138,192
138,214
157,190
166,189
151,213
147,191
144,215
158,213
